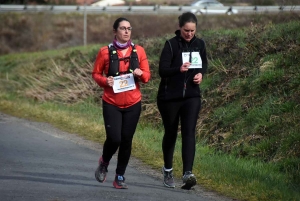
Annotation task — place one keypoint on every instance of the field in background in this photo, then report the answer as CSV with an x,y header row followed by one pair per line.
x,y
45,31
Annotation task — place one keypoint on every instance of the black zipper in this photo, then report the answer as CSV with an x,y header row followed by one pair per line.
x,y
186,79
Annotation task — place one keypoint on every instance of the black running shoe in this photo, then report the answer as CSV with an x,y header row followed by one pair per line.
x,y
101,171
119,182
168,178
189,180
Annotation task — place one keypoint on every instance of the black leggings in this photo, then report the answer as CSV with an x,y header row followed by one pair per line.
x,y
186,111
120,125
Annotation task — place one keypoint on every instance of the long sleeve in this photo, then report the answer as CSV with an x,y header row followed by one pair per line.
x,y
203,58
99,66
144,64
165,62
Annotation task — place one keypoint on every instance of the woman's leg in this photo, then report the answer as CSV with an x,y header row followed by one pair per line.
x,y
170,116
189,115
130,118
113,125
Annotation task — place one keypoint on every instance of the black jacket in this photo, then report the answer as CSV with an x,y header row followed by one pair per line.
x,y
175,85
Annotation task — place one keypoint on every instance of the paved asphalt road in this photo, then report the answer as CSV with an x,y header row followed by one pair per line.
x,y
39,162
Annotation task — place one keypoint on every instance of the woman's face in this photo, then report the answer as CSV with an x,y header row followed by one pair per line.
x,y
123,32
188,31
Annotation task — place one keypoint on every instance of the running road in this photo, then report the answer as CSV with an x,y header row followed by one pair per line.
x,y
41,163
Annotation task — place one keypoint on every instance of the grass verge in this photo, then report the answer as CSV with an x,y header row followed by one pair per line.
x,y
238,178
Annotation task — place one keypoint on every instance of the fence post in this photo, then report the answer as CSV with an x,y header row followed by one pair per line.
x,y
84,25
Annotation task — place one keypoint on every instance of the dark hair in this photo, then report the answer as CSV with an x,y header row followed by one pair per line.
x,y
187,17
117,22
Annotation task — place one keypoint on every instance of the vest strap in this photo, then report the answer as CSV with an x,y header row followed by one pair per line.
x,y
114,61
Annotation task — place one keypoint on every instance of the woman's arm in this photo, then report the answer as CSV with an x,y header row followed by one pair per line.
x,y
165,62
99,67
203,58
144,65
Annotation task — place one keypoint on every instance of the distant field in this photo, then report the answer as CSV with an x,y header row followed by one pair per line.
x,y
44,31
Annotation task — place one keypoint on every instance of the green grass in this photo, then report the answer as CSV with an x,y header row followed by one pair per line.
x,y
238,178
248,142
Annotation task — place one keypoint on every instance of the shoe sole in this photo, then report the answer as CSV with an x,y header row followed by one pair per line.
x,y
168,185
119,187
190,182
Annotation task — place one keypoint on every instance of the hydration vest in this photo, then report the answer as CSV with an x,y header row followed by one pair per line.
x,y
114,61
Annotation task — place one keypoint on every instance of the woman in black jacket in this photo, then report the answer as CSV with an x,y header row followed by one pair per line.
x,y
182,65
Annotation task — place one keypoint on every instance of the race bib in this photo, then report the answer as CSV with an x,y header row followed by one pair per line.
x,y
196,61
124,83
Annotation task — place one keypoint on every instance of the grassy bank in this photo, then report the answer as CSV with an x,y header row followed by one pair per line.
x,y
248,135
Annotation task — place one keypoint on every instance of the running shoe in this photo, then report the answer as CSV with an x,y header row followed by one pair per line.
x,y
168,178
119,182
101,171
189,180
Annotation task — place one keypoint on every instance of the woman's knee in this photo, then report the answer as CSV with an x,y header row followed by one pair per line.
x,y
114,141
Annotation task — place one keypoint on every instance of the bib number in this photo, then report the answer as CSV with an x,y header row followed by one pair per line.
x,y
124,83
196,61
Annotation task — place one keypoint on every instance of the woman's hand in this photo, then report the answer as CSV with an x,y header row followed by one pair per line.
x,y
198,78
185,67
137,72
110,81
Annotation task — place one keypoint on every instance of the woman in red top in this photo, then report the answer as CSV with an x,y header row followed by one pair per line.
x,y
121,100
